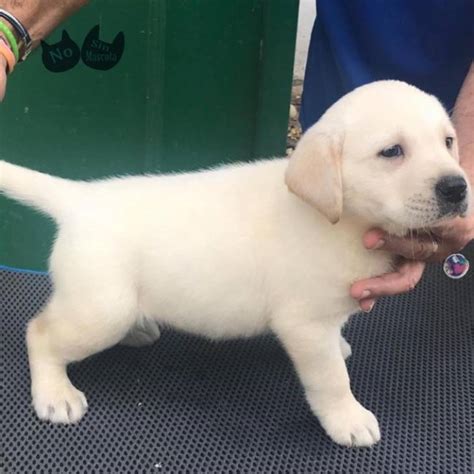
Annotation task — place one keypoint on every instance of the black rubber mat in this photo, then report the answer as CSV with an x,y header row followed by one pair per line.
x,y
189,405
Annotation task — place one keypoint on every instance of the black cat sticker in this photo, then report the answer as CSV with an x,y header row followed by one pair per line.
x,y
60,56
98,54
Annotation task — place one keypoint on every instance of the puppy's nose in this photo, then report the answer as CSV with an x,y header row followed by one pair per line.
x,y
451,189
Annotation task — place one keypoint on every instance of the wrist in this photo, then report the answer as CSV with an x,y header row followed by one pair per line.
x,y
18,36
40,17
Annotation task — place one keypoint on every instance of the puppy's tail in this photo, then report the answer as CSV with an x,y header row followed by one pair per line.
x,y
46,193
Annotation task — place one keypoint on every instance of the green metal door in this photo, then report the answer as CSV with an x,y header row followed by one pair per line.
x,y
162,85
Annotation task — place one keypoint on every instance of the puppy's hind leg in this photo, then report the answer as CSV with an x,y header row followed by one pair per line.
x,y
67,331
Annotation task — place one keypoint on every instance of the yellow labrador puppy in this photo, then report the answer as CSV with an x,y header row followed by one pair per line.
x,y
242,249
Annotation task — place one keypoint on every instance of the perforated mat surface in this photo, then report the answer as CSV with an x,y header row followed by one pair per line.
x,y
189,405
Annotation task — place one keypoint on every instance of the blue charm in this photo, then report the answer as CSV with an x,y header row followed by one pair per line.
x,y
456,266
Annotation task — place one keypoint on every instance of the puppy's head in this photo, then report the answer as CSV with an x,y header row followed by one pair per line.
x,y
386,153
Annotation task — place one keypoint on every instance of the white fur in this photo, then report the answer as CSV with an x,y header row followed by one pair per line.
x,y
229,252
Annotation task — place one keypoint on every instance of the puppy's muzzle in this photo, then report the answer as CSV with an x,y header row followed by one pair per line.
x,y
451,194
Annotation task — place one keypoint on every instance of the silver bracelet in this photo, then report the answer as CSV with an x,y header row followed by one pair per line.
x,y
26,44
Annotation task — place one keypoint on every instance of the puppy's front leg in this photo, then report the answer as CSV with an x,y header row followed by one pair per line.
x,y
346,350
314,347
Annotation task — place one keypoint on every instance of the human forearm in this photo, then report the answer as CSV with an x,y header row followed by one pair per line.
x,y
463,118
40,17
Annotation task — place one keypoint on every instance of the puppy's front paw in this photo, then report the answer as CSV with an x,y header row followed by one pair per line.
x,y
350,424
59,403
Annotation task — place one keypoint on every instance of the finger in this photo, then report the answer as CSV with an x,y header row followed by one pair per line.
x,y
367,305
416,248
459,230
449,228
405,279
374,239
448,247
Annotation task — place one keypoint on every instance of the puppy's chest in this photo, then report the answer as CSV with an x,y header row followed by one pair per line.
x,y
340,266
352,260
335,266
366,264
352,267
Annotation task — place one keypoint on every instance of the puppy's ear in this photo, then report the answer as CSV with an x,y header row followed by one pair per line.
x,y
314,171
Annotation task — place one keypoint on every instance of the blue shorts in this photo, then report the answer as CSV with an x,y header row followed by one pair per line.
x,y
428,43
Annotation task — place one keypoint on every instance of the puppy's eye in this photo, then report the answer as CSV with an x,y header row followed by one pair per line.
x,y
449,142
392,152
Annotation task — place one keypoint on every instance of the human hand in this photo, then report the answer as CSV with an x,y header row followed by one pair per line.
x,y
414,252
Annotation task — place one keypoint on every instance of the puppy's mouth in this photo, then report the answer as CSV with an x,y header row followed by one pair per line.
x,y
451,211
433,217
428,212
417,217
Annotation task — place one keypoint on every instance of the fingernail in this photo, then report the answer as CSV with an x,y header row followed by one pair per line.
x,y
365,294
379,244
370,308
